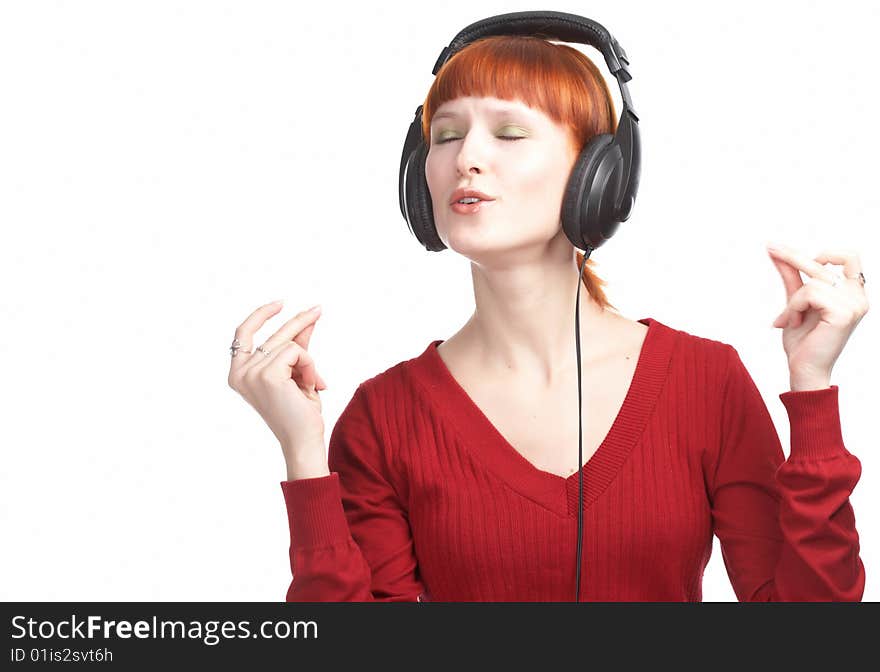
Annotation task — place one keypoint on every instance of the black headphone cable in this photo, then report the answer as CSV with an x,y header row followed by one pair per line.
x,y
577,345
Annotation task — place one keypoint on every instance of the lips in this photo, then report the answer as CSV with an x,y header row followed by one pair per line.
x,y
467,192
470,208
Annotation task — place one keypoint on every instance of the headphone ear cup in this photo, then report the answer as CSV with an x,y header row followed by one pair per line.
x,y
420,208
588,208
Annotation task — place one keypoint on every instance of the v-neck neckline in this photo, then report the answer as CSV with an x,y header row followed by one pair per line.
x,y
489,447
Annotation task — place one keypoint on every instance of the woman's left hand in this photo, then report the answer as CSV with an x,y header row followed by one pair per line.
x,y
819,317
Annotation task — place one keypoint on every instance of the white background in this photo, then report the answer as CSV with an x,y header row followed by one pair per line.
x,y
167,167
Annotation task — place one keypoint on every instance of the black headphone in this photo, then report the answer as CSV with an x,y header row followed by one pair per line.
x,y
601,189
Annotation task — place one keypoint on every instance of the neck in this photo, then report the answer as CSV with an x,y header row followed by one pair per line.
x,y
523,324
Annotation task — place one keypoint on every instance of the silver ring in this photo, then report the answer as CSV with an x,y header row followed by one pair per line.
x,y
265,352
860,277
235,348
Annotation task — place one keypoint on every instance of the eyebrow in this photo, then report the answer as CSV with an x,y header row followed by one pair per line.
x,y
495,111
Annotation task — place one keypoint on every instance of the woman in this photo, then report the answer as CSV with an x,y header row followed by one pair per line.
x,y
452,477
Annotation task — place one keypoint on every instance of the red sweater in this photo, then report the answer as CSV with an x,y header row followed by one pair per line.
x,y
426,500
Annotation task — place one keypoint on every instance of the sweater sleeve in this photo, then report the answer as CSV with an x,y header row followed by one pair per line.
x,y
349,534
786,527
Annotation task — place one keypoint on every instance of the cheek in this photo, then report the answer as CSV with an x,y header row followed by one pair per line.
x,y
540,188
435,182
536,180
430,171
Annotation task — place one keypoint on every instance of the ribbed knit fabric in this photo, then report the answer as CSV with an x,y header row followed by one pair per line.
x,y
427,501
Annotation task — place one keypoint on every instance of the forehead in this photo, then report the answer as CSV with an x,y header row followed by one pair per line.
x,y
482,105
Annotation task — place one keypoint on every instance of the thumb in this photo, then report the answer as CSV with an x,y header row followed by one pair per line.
x,y
302,338
791,278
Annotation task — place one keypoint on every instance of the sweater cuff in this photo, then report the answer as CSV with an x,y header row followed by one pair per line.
x,y
314,512
814,419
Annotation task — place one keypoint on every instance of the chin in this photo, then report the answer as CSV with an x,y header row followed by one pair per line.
x,y
463,236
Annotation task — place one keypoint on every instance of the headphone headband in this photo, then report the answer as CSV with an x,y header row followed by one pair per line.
x,y
559,26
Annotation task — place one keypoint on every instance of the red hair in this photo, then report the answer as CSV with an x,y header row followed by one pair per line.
x,y
556,79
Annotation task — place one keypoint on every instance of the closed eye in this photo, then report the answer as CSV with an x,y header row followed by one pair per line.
x,y
502,137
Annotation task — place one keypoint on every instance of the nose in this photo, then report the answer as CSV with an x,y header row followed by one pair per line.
x,y
469,158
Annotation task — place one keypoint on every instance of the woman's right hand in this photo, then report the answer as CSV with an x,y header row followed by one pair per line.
x,y
283,386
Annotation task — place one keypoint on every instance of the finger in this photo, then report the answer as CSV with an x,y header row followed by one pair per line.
x,y
305,335
791,315
303,339
321,384
290,360
788,319
246,330
790,276
290,330
802,300
852,265
800,262
815,297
